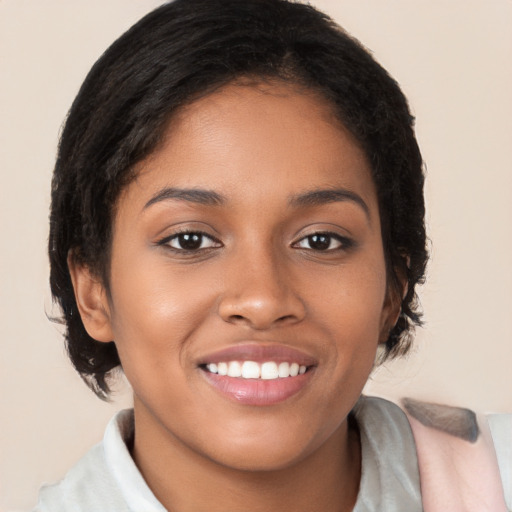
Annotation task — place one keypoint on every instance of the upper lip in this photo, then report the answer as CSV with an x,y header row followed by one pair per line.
x,y
259,353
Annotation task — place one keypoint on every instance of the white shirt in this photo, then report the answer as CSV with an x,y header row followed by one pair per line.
x,y
106,479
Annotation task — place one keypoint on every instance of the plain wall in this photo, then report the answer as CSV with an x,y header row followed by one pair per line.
x,y
453,59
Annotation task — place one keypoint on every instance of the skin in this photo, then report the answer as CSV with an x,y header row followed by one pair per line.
x,y
259,278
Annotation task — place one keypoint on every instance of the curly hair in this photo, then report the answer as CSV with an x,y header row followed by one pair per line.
x,y
186,49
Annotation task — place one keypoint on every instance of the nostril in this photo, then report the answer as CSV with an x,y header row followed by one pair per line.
x,y
261,312
285,318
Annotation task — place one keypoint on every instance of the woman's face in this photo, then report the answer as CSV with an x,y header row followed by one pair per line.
x,y
250,242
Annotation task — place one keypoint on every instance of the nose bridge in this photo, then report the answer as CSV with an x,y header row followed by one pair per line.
x,y
258,288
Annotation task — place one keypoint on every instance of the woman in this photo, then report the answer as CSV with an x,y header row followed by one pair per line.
x,y
238,222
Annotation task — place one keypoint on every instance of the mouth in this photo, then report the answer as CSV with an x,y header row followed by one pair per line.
x,y
268,370
255,374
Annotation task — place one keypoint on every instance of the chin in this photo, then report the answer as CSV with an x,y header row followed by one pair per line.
x,y
270,449
260,460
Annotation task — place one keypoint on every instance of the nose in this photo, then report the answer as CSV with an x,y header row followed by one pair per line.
x,y
259,292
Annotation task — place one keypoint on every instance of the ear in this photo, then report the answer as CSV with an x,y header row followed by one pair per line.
x,y
391,309
92,301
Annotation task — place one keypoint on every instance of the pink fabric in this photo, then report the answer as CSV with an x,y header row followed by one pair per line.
x,y
456,475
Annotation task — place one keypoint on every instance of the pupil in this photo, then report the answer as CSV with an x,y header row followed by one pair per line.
x,y
190,241
319,242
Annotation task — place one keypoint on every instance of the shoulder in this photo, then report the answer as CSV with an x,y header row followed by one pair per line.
x,y
106,479
89,485
375,407
464,458
389,468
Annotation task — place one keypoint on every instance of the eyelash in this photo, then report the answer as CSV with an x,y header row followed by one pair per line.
x,y
166,242
344,242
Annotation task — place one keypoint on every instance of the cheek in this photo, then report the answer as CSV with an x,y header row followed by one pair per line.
x,y
350,309
351,298
156,312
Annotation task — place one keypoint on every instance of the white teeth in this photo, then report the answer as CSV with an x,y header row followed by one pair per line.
x,y
284,370
250,370
234,369
222,368
268,370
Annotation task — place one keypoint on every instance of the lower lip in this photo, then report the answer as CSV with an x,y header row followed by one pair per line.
x,y
258,391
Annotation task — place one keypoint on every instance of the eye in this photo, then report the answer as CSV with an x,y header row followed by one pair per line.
x,y
189,241
323,242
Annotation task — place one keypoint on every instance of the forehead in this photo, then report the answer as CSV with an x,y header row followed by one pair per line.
x,y
254,143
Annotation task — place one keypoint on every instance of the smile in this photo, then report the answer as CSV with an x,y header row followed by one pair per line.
x,y
268,370
258,373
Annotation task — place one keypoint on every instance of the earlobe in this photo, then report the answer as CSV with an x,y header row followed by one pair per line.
x,y
391,311
387,324
92,302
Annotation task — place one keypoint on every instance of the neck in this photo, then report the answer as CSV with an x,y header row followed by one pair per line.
x,y
183,480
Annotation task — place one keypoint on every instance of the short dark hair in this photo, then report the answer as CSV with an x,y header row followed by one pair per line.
x,y
186,49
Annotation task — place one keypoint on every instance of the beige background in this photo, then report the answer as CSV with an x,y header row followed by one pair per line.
x,y
454,61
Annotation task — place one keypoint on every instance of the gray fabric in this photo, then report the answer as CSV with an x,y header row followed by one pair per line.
x,y
107,479
390,479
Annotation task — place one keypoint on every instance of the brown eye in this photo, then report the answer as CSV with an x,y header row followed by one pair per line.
x,y
191,241
323,242
319,242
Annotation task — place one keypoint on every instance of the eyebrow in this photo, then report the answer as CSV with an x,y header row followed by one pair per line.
x,y
212,198
192,195
320,197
